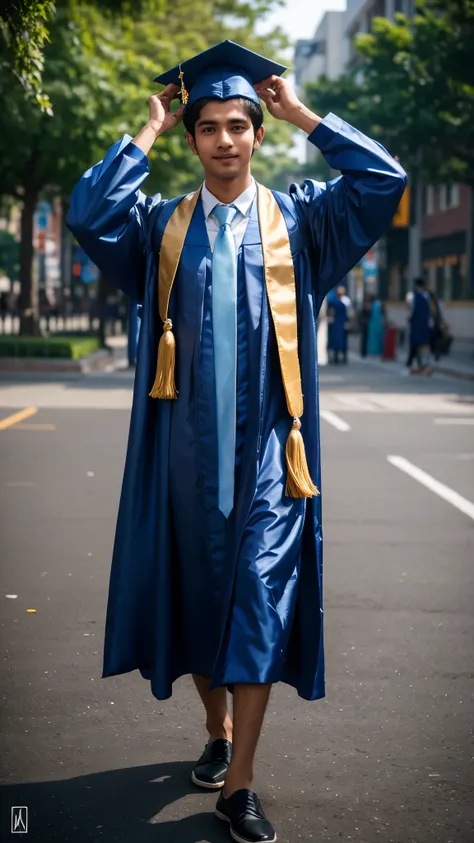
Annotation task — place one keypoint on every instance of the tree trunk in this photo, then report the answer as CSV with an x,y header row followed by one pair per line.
x,y
29,294
102,289
414,232
65,262
470,247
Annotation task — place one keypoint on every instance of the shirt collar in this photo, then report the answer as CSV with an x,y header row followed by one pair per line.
x,y
242,203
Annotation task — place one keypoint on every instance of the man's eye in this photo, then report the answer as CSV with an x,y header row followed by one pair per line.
x,y
207,130
239,128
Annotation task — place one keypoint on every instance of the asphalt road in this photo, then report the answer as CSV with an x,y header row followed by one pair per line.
x,y
387,756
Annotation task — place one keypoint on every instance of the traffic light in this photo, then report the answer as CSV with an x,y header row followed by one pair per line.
x,y
402,214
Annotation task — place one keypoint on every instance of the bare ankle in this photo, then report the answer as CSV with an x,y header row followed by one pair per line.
x,y
237,780
220,730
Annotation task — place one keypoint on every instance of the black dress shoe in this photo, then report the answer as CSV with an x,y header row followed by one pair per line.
x,y
212,766
248,823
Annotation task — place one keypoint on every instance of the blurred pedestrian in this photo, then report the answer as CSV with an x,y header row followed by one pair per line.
x,y
338,325
376,328
439,331
364,319
4,306
419,303
217,560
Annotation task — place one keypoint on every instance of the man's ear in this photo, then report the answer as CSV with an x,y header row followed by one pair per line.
x,y
259,135
191,143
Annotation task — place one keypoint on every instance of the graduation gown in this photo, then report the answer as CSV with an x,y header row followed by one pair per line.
x,y
337,334
420,333
238,600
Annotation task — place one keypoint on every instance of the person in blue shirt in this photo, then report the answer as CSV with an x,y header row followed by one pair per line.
x,y
217,563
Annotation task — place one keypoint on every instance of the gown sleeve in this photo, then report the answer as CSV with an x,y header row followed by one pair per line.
x,y
109,215
347,215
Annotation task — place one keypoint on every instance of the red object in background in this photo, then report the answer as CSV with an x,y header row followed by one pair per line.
x,y
390,344
76,269
41,241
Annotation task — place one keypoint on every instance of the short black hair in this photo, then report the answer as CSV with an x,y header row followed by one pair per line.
x,y
420,282
193,112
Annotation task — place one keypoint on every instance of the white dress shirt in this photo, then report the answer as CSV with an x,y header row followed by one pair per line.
x,y
238,226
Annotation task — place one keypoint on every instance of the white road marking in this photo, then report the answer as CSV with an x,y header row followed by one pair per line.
x,y
449,495
436,405
357,402
454,421
336,422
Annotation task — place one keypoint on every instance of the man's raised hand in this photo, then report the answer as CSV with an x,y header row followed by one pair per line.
x,y
283,103
279,97
161,118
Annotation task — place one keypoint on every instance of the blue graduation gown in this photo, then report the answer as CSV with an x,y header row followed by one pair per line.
x,y
240,600
337,332
420,333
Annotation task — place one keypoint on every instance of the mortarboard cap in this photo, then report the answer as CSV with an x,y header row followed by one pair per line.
x,y
224,71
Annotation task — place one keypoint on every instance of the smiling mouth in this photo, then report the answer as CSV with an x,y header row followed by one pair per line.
x,y
225,157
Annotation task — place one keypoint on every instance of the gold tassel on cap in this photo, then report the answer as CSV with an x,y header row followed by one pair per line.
x,y
298,481
164,386
184,93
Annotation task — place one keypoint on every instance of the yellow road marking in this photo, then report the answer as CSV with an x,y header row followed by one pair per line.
x,y
35,427
18,417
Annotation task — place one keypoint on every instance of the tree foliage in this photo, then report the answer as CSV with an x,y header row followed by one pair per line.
x,y
98,70
413,89
23,35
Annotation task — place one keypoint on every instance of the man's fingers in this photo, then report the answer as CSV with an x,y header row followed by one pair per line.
x,y
169,92
178,114
269,82
266,95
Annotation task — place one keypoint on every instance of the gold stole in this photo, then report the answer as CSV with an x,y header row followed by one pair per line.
x,y
281,293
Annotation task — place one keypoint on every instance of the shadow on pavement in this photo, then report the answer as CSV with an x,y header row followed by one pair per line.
x,y
118,805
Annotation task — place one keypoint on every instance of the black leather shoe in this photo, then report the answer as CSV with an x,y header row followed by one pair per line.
x,y
248,823
212,766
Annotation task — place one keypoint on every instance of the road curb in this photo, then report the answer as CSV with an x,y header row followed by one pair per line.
x,y
385,365
96,362
454,373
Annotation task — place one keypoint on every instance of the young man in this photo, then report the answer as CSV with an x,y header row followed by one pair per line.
x,y
217,567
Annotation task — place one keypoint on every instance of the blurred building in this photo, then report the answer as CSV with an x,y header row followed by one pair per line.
x,y
445,214
320,55
358,19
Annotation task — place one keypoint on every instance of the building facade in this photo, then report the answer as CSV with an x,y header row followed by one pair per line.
x,y
318,56
445,217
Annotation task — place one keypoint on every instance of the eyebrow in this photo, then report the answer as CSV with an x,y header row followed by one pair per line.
x,y
233,120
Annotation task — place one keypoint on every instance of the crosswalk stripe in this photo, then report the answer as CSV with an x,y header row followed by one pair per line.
x,y
459,420
336,422
449,495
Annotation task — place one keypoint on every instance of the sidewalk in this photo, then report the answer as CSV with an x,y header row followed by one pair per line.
x,y
459,363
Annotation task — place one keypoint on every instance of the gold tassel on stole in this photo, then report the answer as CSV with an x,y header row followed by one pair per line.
x,y
281,292
298,480
164,385
171,247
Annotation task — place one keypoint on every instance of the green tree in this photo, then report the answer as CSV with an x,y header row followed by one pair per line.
x,y
98,70
23,36
412,88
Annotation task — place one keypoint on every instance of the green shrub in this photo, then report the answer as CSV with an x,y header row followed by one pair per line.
x,y
70,348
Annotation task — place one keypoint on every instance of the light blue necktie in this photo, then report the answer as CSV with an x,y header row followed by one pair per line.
x,y
224,329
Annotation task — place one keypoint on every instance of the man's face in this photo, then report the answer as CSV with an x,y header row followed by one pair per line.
x,y
225,139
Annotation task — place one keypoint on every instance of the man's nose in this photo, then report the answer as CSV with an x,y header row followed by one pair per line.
x,y
225,139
